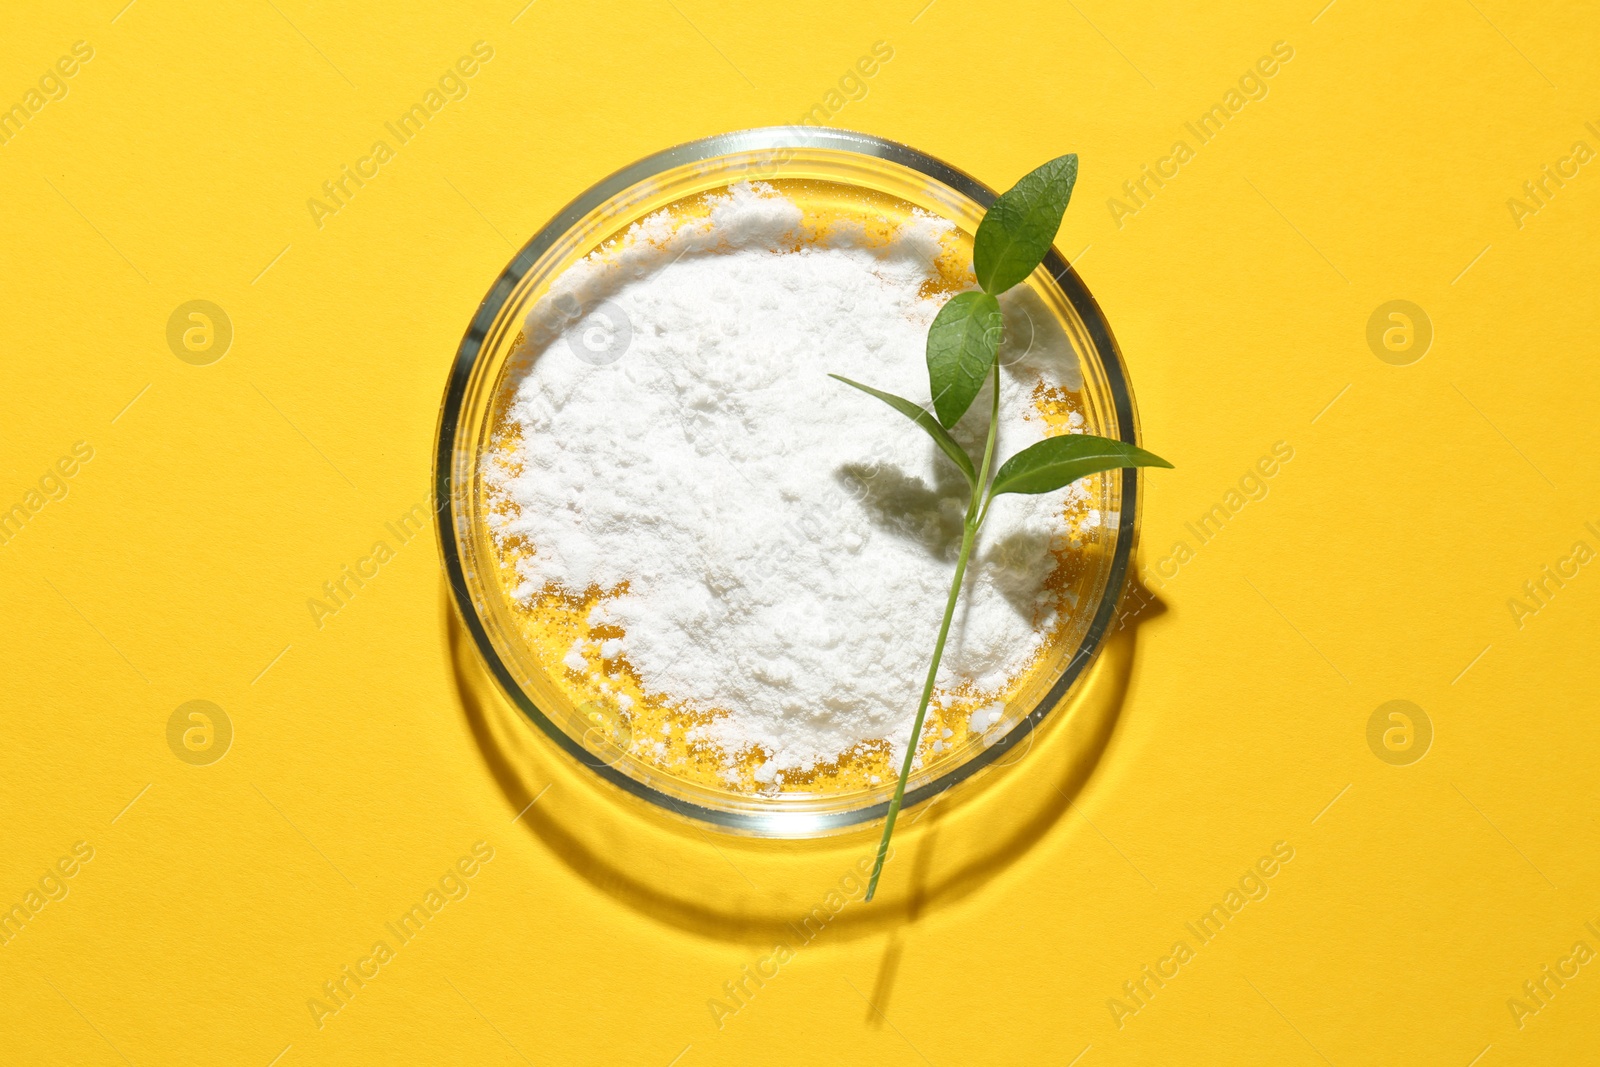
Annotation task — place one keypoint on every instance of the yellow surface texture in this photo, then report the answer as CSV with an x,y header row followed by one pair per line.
x,y
180,908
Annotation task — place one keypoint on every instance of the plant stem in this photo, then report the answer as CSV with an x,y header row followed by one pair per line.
x,y
969,534
922,708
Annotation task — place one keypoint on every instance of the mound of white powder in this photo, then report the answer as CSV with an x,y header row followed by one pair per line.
x,y
787,542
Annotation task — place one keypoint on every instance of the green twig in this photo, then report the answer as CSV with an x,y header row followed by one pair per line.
x,y
963,343
969,534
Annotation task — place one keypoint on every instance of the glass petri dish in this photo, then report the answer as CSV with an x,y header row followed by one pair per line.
x,y
827,166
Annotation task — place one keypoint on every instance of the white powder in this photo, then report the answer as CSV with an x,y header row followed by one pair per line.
x,y
787,542
985,716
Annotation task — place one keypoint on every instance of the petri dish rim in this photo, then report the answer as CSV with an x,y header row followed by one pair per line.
x,y
451,523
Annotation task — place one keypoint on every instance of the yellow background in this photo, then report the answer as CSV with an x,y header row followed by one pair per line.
x,y
221,897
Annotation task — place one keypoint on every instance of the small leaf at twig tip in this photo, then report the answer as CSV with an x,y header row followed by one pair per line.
x,y
922,417
961,345
1058,461
1017,230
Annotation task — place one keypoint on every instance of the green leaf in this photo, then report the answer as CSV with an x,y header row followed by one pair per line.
x,y
1017,230
961,346
1059,461
924,419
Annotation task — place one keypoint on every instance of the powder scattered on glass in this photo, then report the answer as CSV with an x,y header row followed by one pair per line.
x,y
773,547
